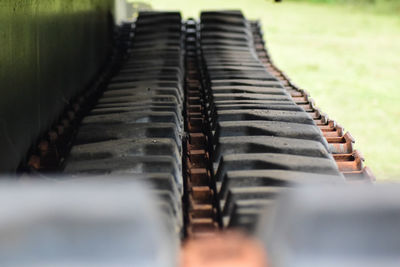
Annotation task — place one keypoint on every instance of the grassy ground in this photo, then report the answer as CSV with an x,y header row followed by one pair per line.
x,y
348,58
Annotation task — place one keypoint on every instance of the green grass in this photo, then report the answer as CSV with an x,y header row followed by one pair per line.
x,y
377,6
348,58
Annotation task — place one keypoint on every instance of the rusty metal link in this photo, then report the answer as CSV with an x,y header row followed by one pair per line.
x,y
202,214
349,161
53,147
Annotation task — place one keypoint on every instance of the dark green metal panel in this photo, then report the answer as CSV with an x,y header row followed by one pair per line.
x,y
49,50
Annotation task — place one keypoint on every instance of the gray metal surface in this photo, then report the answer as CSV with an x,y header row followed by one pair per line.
x,y
113,221
129,132
326,226
50,50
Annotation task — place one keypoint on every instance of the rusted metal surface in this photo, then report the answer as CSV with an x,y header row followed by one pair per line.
x,y
228,249
202,212
349,161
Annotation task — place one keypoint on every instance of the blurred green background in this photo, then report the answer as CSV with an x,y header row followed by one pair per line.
x,y
346,54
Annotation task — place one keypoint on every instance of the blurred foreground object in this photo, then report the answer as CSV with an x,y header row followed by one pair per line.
x,y
335,226
83,223
229,249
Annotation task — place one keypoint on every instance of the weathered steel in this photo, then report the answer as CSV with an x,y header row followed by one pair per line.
x,y
202,214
